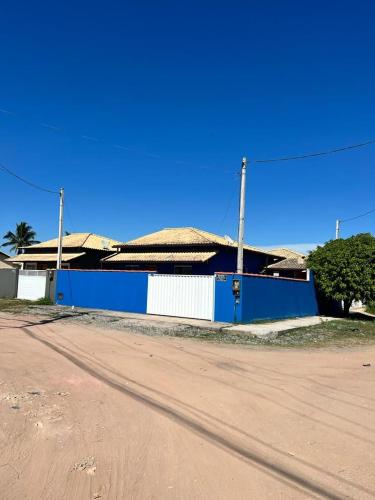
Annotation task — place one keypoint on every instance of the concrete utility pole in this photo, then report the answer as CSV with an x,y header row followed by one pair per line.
x,y
61,219
337,229
241,224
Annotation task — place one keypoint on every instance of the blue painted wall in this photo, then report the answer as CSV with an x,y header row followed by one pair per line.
x,y
260,298
264,298
115,290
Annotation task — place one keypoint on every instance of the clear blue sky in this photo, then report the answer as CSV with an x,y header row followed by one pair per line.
x,y
186,89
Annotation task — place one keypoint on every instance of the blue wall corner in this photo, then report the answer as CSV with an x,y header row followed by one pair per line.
x,y
275,298
224,299
263,298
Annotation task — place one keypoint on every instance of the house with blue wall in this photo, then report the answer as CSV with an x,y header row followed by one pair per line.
x,y
186,250
256,297
79,251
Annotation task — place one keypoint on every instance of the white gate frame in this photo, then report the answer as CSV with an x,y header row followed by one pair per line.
x,y
168,295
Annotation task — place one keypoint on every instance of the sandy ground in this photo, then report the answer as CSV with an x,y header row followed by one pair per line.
x,y
89,413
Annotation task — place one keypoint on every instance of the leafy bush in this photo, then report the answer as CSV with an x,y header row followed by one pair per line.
x,y
345,269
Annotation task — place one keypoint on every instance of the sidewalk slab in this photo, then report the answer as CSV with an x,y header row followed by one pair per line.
x,y
105,315
171,323
271,329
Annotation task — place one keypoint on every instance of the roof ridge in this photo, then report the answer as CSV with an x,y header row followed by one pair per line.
x,y
149,234
200,231
74,233
79,240
291,250
206,237
87,237
286,248
190,227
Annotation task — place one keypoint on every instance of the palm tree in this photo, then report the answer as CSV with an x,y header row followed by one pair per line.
x,y
22,237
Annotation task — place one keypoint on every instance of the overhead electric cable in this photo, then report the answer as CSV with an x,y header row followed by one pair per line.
x,y
320,153
100,141
358,216
29,183
229,204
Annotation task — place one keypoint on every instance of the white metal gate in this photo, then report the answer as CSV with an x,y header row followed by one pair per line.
x,y
181,295
31,284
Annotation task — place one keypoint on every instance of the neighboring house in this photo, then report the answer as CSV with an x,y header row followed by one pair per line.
x,y
80,251
287,253
3,263
293,264
288,268
186,250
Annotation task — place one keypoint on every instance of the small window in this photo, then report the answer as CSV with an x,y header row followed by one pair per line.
x,y
30,266
183,269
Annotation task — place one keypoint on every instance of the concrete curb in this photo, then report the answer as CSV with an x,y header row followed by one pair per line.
x,y
272,329
260,330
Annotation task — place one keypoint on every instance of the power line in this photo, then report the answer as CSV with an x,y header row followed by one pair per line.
x,y
229,204
358,216
100,141
67,209
320,153
29,183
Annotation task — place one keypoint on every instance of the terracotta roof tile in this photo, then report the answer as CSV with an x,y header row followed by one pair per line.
x,y
187,236
44,257
298,263
160,257
80,240
287,253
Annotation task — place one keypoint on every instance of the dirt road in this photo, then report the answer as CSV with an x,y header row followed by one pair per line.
x,y
89,413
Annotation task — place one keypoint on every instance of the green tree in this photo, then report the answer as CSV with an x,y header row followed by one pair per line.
x,y
23,236
344,269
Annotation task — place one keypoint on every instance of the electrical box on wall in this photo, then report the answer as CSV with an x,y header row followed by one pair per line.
x,y
236,287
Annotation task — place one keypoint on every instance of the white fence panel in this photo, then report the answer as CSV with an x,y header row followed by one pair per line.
x,y
31,285
186,296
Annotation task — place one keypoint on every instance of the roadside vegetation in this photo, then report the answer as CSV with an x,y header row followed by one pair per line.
x,y
13,305
21,306
339,333
348,332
